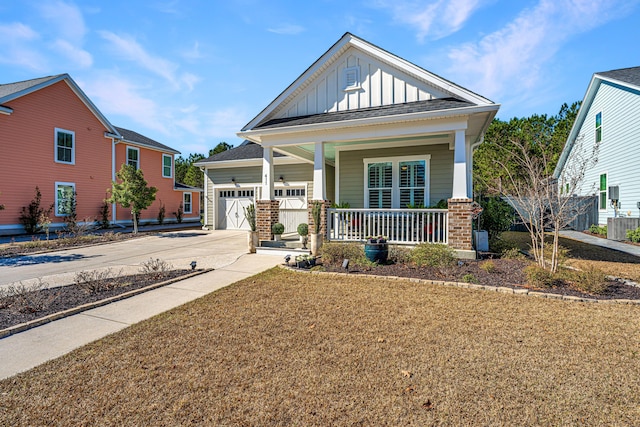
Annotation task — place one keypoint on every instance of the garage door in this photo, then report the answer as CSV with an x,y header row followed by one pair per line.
x,y
231,204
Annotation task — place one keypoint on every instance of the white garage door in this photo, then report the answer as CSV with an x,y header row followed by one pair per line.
x,y
293,207
231,204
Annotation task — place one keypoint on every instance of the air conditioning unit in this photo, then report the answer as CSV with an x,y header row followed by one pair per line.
x,y
614,192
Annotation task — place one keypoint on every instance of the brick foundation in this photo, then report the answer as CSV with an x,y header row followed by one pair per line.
x,y
323,216
267,214
460,224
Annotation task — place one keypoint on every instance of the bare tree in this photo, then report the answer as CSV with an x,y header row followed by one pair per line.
x,y
542,201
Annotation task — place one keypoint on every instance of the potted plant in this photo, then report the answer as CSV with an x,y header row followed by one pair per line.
x,y
304,261
303,231
316,236
376,249
250,215
277,229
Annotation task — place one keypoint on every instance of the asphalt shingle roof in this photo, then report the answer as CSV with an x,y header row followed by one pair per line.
x,y
246,150
134,137
626,75
11,88
387,110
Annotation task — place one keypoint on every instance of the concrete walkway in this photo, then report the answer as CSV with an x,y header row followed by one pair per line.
x,y
26,350
599,241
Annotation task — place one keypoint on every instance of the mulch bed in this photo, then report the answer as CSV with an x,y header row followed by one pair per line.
x,y
44,302
507,273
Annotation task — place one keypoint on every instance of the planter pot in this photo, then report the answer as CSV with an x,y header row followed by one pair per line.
x,y
303,241
277,237
376,252
253,241
301,264
315,243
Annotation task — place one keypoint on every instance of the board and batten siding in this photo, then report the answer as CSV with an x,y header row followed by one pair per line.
x,y
618,154
380,84
351,171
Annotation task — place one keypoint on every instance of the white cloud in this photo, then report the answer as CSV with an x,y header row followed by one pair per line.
x,y
511,61
287,29
67,22
78,55
131,50
194,53
115,95
15,42
433,19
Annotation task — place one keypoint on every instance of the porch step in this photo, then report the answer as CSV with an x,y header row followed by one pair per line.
x,y
293,244
281,251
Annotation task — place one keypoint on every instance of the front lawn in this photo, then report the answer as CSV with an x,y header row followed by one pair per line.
x,y
286,348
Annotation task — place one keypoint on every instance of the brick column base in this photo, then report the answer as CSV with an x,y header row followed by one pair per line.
x,y
267,214
460,224
326,204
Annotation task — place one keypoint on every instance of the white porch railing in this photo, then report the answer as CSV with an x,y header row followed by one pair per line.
x,y
397,225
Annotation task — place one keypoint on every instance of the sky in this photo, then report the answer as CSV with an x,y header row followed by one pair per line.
x,y
192,73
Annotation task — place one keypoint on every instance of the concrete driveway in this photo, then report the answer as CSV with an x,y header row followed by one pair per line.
x,y
210,249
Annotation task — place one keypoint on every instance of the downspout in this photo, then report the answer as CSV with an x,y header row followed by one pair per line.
x,y
113,179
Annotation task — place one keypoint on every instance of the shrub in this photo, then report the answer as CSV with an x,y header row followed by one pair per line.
x,y
634,235
31,299
97,281
497,216
179,213
591,280
71,216
303,229
512,253
161,213
156,267
598,229
469,278
277,228
335,252
430,255
488,266
104,215
538,277
399,254
32,213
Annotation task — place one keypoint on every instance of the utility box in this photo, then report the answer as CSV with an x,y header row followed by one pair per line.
x,y
617,227
481,239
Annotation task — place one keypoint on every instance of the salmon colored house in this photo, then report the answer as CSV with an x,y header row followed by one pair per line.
x,y
56,139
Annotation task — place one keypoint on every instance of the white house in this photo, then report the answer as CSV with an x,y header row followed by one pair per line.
x,y
609,120
361,127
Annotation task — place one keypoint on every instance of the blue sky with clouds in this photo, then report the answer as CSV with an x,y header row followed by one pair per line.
x,y
191,73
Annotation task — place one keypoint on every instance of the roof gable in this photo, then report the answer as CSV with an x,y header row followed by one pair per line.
x,y
11,91
623,78
382,79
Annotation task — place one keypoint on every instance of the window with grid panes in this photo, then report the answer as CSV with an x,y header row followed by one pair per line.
x,y
379,183
412,181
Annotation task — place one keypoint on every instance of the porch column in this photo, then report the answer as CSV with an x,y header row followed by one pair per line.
x,y
319,186
267,174
267,208
460,183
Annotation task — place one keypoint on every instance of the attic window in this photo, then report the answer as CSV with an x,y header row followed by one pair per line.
x,y
352,78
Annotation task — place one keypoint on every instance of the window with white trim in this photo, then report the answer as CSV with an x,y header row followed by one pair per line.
x,y
65,146
65,192
602,192
167,166
133,157
599,127
397,182
186,202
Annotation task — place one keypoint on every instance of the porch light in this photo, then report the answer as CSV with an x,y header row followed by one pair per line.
x,y
233,179
281,178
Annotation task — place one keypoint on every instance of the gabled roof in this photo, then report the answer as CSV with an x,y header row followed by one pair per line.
x,y
246,150
11,91
132,137
362,113
349,40
184,187
625,77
